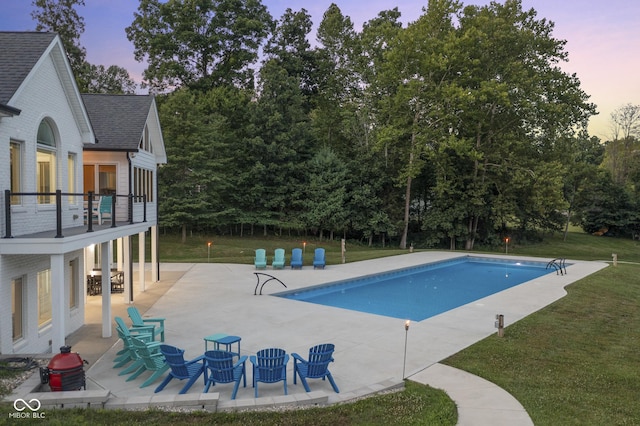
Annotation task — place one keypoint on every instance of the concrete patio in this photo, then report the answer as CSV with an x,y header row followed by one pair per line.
x,y
201,299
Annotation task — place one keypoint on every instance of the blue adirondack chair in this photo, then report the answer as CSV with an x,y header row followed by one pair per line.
x,y
151,361
296,258
220,368
260,261
269,366
138,321
181,369
278,259
318,259
314,367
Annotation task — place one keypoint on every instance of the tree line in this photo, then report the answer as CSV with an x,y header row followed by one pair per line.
x,y
457,129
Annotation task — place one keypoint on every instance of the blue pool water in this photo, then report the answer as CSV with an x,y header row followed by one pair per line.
x,y
421,292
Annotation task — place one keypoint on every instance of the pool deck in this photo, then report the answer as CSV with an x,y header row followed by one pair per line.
x,y
198,300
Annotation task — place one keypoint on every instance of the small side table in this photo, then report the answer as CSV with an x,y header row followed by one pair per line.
x,y
212,338
226,341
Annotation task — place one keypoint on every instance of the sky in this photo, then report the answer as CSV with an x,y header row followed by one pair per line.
x,y
603,38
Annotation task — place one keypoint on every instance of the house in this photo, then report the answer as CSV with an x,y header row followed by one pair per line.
x,y
60,154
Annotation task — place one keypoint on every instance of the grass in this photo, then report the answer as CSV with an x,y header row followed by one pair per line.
x,y
241,250
416,405
573,362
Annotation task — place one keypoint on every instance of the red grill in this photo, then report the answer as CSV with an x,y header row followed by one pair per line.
x,y
65,371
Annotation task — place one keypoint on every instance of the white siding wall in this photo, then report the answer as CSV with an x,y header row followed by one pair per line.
x,y
42,98
146,160
143,160
35,339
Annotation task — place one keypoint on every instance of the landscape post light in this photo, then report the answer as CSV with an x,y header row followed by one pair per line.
x,y
208,251
506,245
406,334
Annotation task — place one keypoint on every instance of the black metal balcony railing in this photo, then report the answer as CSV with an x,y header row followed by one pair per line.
x,y
91,201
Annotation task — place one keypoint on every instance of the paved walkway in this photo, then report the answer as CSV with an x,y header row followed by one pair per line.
x,y
201,299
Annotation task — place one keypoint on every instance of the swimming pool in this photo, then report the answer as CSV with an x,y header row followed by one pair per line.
x,y
424,291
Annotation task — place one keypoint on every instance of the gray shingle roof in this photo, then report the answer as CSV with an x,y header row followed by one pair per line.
x,y
117,120
19,52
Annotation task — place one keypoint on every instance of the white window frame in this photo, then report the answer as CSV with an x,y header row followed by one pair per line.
x,y
17,308
16,150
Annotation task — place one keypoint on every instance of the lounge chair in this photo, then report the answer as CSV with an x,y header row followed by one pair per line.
x,y
220,368
138,321
151,360
296,258
127,354
269,366
278,259
314,367
181,369
260,261
318,259
103,211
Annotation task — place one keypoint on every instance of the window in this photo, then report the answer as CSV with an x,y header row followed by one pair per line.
x,y
74,285
15,166
143,184
106,179
17,301
71,167
46,163
44,297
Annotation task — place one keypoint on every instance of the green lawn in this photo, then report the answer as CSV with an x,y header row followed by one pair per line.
x,y
574,362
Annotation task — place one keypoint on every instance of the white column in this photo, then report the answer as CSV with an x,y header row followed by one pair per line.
x,y
154,254
141,257
105,262
58,326
89,265
126,268
119,255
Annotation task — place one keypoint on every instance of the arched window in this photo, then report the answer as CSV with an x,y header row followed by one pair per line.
x,y
46,159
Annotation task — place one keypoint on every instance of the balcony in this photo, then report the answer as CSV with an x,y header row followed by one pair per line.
x,y
63,218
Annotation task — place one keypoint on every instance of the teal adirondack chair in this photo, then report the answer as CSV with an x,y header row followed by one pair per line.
x,y
138,321
260,261
278,259
104,209
152,360
127,354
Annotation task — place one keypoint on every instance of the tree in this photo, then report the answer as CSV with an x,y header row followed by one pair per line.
x,y
198,43
281,146
622,156
113,80
625,122
608,208
512,104
197,182
338,83
416,109
326,193
289,46
60,16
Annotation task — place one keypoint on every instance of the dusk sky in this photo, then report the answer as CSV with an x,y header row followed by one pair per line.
x,y
603,38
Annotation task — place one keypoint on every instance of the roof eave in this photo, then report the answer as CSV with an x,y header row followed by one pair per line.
x,y
8,111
